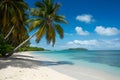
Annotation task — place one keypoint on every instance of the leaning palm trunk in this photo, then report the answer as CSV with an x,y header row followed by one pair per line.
x,y
9,33
10,54
23,42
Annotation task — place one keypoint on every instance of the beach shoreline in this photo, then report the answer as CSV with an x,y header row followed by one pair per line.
x,y
23,66
29,66
82,71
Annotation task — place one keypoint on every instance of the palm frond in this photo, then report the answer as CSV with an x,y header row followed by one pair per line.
x,y
40,33
21,3
56,7
35,24
60,19
59,30
39,5
50,35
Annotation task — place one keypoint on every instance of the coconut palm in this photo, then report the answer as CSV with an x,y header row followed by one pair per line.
x,y
18,34
47,22
11,15
12,21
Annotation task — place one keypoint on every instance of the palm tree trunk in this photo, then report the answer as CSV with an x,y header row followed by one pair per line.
x,y
9,33
23,42
9,54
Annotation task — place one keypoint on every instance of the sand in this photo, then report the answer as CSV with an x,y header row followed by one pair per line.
x,y
23,66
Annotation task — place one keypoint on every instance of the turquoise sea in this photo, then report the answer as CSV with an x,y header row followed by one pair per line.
x,y
103,60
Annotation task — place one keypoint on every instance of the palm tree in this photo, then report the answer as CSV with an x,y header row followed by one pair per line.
x,y
12,21
11,15
46,22
19,33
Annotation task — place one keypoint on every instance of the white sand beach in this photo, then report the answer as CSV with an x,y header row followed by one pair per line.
x,y
22,66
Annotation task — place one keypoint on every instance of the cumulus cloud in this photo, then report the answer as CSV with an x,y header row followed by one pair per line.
x,y
84,42
87,18
109,31
95,44
80,31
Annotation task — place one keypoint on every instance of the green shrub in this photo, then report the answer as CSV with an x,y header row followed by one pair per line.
x,y
4,46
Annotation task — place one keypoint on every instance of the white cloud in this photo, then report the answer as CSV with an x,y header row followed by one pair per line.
x,y
80,31
84,42
109,31
96,44
87,18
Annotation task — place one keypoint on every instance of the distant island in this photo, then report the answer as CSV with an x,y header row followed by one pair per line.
x,y
81,49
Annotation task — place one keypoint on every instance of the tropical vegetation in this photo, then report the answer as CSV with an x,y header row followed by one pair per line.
x,y
4,47
80,49
47,21
14,19
29,48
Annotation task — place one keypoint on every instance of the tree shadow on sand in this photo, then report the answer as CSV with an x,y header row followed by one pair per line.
x,y
23,61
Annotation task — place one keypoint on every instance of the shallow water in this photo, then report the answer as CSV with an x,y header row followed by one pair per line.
x,y
106,61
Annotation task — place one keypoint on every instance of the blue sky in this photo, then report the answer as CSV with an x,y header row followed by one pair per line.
x,y
92,24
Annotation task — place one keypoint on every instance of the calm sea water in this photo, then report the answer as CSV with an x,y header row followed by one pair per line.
x,y
108,61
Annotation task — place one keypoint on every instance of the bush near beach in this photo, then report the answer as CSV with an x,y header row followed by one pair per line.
x,y
4,46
